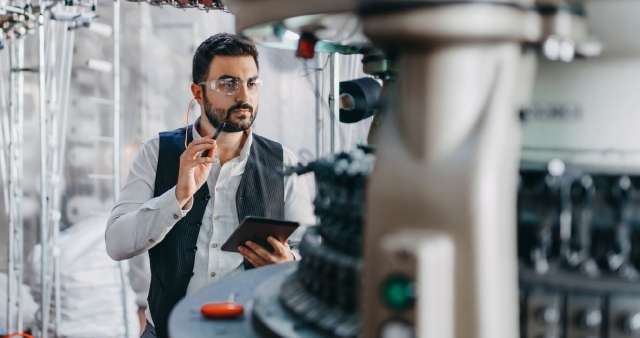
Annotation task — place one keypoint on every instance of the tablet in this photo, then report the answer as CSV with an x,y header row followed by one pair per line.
x,y
257,229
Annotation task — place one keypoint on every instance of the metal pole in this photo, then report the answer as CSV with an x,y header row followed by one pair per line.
x,y
116,100
12,170
16,111
50,288
116,149
65,117
44,200
52,109
58,153
319,124
334,103
5,140
19,159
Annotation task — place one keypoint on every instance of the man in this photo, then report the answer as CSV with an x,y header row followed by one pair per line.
x,y
166,207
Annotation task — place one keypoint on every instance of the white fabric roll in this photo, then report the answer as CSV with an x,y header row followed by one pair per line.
x,y
29,306
91,288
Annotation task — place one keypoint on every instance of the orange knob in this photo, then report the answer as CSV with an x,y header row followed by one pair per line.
x,y
224,310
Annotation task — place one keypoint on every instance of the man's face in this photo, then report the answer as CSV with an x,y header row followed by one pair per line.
x,y
241,107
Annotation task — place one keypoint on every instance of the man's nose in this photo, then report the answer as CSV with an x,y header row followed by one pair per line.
x,y
243,93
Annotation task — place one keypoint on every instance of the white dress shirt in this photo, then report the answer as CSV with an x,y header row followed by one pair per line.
x,y
139,221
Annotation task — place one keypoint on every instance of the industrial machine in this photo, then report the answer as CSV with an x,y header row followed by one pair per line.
x,y
440,258
440,222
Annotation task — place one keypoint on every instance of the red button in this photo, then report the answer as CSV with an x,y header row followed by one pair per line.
x,y
224,310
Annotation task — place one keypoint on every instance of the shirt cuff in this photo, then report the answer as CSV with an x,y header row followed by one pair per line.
x,y
168,204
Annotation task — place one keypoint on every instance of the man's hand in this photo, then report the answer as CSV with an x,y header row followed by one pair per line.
x,y
259,256
194,169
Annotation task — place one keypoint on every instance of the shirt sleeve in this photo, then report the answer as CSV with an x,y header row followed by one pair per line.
x,y
298,205
140,278
139,221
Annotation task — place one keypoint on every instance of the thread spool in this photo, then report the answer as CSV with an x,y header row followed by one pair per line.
x,y
358,99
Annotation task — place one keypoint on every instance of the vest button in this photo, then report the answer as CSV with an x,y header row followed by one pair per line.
x,y
213,274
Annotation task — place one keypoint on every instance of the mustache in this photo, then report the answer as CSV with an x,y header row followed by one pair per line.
x,y
238,106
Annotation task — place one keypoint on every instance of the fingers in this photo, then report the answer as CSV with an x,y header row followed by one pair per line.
x,y
259,256
281,249
203,160
194,149
252,257
261,252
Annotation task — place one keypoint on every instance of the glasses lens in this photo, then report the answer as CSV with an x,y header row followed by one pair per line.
x,y
228,86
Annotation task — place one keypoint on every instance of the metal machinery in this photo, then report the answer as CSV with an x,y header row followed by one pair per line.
x,y
16,23
441,205
578,251
55,23
313,27
200,4
440,255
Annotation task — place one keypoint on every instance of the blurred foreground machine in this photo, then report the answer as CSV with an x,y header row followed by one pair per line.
x,y
440,258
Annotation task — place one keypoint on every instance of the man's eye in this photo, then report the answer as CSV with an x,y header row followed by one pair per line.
x,y
229,85
252,84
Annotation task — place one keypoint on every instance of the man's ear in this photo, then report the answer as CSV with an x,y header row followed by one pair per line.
x,y
197,92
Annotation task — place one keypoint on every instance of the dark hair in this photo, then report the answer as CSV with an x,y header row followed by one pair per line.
x,y
220,44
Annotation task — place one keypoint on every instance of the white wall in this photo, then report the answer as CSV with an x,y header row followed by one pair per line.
x,y
607,90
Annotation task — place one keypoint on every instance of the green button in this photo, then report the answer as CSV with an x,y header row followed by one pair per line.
x,y
398,292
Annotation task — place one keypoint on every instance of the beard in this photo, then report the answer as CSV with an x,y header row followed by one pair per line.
x,y
222,118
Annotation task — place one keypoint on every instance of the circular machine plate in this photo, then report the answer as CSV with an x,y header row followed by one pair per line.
x,y
271,319
187,322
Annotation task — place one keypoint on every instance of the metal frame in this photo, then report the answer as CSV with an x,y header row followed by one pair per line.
x,y
16,230
54,41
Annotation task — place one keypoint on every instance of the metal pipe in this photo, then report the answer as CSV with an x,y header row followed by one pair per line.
x,y
318,107
44,200
52,78
56,178
5,139
16,111
16,119
19,159
59,151
116,100
12,169
116,150
334,103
